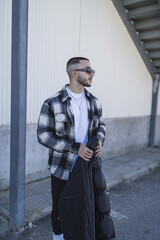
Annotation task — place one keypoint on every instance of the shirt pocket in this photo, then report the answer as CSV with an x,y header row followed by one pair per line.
x,y
61,124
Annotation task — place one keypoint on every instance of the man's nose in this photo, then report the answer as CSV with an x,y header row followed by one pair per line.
x,y
92,74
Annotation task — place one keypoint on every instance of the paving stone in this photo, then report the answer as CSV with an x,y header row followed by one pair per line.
x,y
116,170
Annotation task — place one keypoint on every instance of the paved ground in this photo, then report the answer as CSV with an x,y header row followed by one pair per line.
x,y
116,171
136,208
135,212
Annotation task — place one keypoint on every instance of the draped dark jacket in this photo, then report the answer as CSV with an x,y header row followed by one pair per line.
x,y
84,206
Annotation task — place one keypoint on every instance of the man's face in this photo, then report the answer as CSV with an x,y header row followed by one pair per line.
x,y
85,78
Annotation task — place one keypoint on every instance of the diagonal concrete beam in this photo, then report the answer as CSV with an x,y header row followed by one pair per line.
x,y
135,37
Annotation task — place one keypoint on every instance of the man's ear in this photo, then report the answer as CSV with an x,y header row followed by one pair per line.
x,y
74,74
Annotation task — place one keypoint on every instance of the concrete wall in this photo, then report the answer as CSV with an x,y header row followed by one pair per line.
x,y
157,138
36,156
158,107
4,156
123,135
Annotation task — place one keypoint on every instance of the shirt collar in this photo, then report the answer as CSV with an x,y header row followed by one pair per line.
x,y
65,95
88,94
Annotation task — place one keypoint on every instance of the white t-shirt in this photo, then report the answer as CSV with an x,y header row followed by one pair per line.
x,y
80,111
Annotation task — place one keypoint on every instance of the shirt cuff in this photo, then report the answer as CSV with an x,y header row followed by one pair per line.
x,y
75,147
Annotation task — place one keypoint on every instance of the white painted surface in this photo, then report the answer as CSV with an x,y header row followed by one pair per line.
x,y
122,81
53,38
5,61
59,30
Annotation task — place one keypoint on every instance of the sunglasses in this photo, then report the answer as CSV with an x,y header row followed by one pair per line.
x,y
86,69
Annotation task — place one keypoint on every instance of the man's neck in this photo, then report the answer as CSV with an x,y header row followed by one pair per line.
x,y
75,88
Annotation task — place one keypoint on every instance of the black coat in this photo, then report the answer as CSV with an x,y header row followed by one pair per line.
x,y
84,207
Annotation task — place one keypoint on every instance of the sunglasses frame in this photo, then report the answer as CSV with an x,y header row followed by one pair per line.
x,y
86,69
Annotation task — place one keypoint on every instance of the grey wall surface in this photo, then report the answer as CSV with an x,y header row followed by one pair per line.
x,y
36,157
123,135
157,138
4,156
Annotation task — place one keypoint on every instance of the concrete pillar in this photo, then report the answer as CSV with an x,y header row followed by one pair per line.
x,y
18,111
154,111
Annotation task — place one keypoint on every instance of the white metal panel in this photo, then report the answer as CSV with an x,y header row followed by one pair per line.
x,y
53,39
60,29
121,82
5,61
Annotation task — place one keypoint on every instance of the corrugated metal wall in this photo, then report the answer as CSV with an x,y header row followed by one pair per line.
x,y
5,61
60,29
53,38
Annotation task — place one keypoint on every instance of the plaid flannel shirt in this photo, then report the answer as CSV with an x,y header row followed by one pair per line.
x,y
56,129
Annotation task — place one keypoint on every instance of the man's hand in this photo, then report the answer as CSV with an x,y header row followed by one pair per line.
x,y
84,152
99,149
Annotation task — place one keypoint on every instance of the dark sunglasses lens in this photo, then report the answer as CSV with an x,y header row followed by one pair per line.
x,y
90,70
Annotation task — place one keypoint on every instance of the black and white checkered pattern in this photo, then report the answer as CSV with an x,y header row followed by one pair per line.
x,y
56,129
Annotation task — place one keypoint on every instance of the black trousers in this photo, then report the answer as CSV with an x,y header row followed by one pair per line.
x,y
57,186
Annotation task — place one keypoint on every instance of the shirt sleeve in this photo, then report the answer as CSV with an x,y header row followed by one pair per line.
x,y
46,133
101,125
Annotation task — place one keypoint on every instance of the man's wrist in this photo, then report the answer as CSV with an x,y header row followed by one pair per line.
x,y
100,139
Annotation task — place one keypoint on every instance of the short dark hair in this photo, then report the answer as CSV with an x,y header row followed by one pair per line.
x,y
74,61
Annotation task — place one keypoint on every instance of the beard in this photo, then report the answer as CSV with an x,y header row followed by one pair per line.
x,y
83,81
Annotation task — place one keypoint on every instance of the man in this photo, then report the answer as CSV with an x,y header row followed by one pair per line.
x,y
67,121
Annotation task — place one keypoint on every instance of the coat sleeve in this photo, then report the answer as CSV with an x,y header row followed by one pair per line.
x,y
46,133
